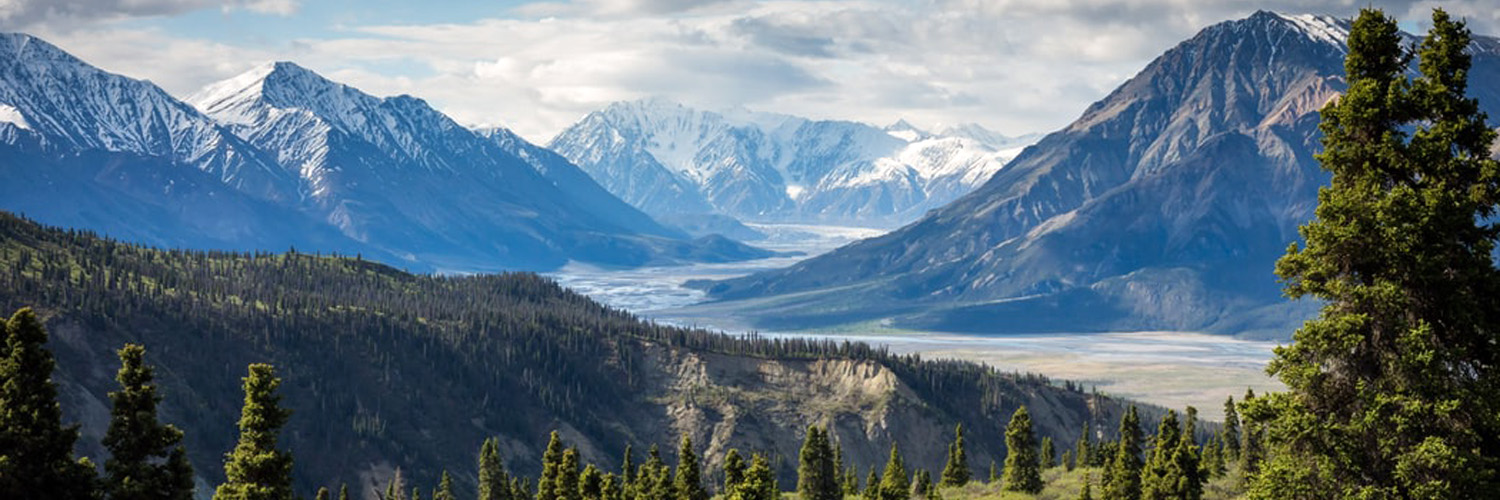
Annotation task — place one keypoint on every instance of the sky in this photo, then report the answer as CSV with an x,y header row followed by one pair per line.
x,y
1014,66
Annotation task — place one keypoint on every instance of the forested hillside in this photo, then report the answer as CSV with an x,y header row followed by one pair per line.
x,y
385,369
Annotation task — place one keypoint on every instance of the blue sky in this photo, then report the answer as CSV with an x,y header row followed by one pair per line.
x,y
1015,66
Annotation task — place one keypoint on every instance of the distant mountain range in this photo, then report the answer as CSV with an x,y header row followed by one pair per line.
x,y
1163,207
673,161
280,156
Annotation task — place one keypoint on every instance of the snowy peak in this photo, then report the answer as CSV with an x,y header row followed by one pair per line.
x,y
282,85
905,131
767,166
1322,28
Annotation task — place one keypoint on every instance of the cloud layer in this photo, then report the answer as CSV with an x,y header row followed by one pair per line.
x,y
1013,65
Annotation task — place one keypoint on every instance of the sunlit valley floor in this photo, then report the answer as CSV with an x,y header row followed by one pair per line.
x,y
1173,369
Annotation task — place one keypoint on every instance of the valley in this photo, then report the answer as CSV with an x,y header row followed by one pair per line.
x,y
1172,369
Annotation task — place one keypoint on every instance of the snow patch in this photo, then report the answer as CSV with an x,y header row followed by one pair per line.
x,y
1322,28
9,114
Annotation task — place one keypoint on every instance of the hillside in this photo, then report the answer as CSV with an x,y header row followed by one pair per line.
x,y
1163,207
386,369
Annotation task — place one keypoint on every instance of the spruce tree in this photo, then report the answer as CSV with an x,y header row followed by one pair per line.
x,y
994,473
734,470
956,471
613,487
1084,454
1067,460
1122,478
815,472
1160,477
838,464
1022,469
552,462
493,483
322,494
894,482
147,460
627,468
921,483
395,488
1049,455
1231,435
343,492
872,485
1087,492
1392,388
591,483
566,483
760,482
689,481
36,450
1252,449
445,488
256,470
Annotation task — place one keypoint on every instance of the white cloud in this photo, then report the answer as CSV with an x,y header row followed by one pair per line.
x,y
67,15
1017,66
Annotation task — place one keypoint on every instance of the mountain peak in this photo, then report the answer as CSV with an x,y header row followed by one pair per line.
x,y
905,131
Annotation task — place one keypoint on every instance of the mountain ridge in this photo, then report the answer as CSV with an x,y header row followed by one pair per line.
x,y
1162,207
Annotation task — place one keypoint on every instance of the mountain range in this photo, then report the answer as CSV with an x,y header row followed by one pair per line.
x,y
672,161
1164,206
281,157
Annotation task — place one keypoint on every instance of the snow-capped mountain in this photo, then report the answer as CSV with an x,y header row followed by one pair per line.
x,y
89,149
291,159
671,160
396,174
1164,206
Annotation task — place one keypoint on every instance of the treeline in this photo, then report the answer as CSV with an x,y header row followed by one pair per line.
x,y
147,459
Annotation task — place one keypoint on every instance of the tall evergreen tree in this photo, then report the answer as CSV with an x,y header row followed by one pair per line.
x,y
36,450
1160,478
1049,455
815,472
956,471
147,460
566,482
689,481
1231,435
1122,478
1022,469
613,487
921,483
627,468
1252,448
1087,492
1067,460
895,484
734,471
994,473
552,462
872,485
493,483
395,488
344,492
838,463
1392,388
760,482
322,494
591,483
445,488
256,470
1084,453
